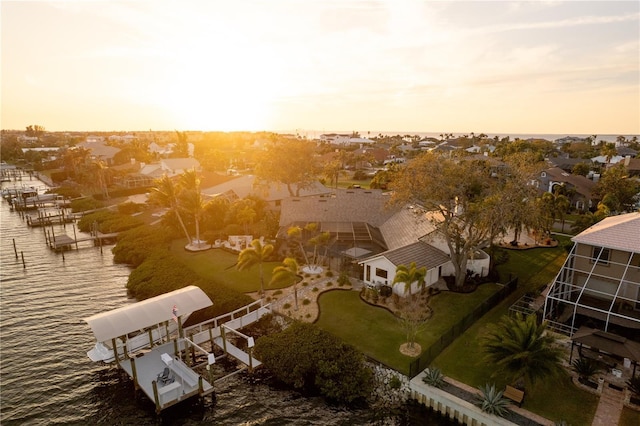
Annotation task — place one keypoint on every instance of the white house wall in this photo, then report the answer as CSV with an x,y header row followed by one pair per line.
x,y
399,288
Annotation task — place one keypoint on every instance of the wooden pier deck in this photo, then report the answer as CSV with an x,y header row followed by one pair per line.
x,y
65,242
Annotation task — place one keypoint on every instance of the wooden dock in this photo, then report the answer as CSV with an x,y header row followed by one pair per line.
x,y
64,242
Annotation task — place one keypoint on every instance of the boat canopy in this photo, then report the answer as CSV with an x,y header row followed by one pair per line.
x,y
138,316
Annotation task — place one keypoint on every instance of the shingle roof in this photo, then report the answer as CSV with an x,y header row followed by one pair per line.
x,y
582,185
246,185
420,252
620,232
357,205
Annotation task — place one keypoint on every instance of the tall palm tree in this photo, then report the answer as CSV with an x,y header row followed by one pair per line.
x,y
562,205
519,348
409,275
285,274
257,253
191,199
165,193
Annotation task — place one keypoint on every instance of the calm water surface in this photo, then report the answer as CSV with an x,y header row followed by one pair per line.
x,y
46,377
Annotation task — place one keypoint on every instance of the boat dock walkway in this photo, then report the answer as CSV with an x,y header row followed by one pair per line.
x,y
65,242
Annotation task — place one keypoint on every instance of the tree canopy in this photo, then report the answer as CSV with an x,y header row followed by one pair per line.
x,y
288,162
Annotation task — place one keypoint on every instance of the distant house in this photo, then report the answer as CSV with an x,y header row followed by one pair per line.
x,y
98,150
566,163
273,194
569,139
577,188
170,166
344,139
633,166
599,284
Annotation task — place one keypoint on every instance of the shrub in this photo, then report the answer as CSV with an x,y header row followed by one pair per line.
x,y
130,208
329,273
433,377
84,204
135,245
585,367
491,401
385,291
306,302
343,279
395,383
330,284
314,361
286,306
315,289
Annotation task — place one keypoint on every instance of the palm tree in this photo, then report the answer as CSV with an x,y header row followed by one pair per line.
x,y
412,316
257,253
165,193
519,348
562,205
409,275
191,199
193,203
285,274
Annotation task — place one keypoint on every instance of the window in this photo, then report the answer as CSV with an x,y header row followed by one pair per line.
x,y
382,273
601,255
368,278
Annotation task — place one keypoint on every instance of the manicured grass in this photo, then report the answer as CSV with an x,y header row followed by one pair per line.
x,y
377,333
463,359
219,265
629,417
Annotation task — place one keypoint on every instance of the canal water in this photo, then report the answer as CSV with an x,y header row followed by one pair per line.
x,y
47,379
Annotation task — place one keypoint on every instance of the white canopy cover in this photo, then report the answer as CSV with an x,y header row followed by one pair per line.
x,y
149,312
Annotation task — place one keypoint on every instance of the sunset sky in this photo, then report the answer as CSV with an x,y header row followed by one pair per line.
x,y
392,65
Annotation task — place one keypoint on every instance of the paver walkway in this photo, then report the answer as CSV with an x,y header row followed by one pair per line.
x,y
609,407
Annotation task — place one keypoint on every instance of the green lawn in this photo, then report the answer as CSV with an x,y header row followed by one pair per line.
x,y
463,359
377,333
629,417
219,265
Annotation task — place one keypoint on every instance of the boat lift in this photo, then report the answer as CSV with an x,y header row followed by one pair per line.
x,y
147,340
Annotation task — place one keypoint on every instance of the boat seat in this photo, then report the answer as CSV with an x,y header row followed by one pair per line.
x,y
165,377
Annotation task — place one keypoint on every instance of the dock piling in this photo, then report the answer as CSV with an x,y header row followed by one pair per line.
x,y
14,248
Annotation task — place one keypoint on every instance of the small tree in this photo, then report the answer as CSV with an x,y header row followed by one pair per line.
x,y
255,254
413,316
287,273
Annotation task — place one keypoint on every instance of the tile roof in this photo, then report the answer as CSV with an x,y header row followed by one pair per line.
x,y
405,227
620,232
420,252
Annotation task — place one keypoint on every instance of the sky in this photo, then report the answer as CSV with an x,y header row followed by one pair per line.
x,y
546,67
